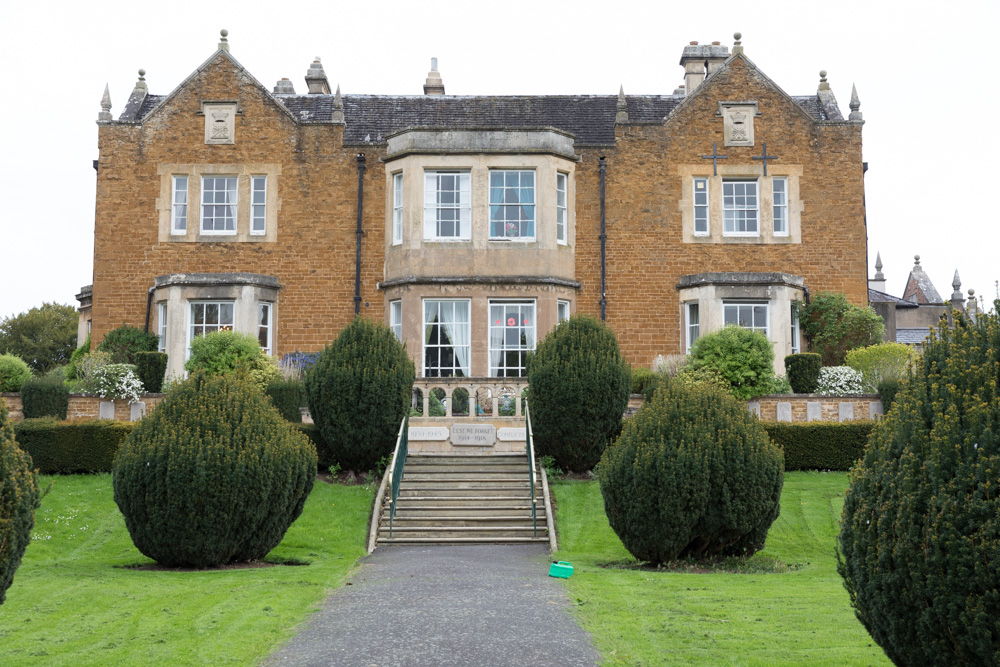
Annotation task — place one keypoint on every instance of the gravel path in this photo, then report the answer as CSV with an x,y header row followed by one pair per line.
x,y
445,605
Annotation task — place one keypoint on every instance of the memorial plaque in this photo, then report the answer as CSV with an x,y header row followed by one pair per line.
x,y
427,433
845,411
814,411
510,434
106,410
473,434
784,411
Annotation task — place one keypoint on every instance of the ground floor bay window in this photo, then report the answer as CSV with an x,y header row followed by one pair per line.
x,y
512,336
446,338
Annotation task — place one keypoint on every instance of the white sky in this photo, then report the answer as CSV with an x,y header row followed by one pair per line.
x,y
922,70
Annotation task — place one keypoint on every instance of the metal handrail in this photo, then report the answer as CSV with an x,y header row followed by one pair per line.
x,y
529,447
396,468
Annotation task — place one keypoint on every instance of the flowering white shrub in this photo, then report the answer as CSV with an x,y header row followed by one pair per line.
x,y
115,381
670,364
838,381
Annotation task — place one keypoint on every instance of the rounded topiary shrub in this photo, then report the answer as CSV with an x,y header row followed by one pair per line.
x,y
802,371
151,367
124,342
359,390
18,502
920,533
693,474
744,358
579,391
14,372
222,352
214,475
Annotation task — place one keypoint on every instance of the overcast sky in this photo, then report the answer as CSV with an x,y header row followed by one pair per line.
x,y
923,73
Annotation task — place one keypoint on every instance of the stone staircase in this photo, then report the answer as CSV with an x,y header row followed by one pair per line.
x,y
465,499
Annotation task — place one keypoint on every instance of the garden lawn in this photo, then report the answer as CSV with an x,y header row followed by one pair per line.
x,y
643,617
72,603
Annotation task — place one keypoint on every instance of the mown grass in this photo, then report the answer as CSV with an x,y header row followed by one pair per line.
x,y
74,600
643,617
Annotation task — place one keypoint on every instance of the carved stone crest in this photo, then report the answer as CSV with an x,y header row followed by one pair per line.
x,y
220,122
737,120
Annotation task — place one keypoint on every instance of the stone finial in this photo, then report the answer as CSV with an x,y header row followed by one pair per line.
x,y
284,87
338,108
737,44
878,267
972,306
622,107
957,300
434,85
223,40
141,83
916,260
855,104
823,83
316,78
105,114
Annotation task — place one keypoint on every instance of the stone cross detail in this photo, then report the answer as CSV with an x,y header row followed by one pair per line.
x,y
765,157
715,157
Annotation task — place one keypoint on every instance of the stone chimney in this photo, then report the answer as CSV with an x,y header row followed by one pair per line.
x,y
878,282
434,85
284,87
701,61
316,79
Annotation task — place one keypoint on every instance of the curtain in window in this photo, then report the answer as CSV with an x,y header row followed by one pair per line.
x,y
527,192
457,329
496,336
496,199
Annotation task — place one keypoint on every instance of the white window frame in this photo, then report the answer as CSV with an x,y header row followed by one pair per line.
x,y
506,227
562,207
562,311
732,210
265,326
779,203
397,208
741,307
396,318
692,324
433,206
530,336
179,205
161,326
233,205
258,205
455,370
796,332
700,197
209,328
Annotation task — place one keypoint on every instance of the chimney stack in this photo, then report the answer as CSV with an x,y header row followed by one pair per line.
x,y
316,79
701,61
284,87
434,85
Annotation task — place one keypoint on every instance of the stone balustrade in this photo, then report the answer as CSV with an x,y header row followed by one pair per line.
x,y
485,397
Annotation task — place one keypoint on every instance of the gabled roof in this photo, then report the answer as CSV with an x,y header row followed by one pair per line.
x,y
875,296
912,335
919,288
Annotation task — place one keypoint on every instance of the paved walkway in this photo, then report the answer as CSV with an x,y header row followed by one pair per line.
x,y
445,605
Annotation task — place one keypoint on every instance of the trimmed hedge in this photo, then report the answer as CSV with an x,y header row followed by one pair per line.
x,y
802,371
821,445
44,397
151,367
288,395
73,446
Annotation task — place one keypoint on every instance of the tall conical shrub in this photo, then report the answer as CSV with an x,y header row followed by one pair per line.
x,y
18,502
358,391
579,386
693,474
920,534
214,475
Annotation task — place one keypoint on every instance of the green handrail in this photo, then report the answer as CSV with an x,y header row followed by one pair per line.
x,y
396,468
529,447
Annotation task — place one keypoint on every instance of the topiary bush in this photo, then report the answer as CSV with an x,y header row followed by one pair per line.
x,y
226,351
359,391
802,371
151,367
744,358
884,361
126,341
692,475
580,385
18,502
289,396
920,532
214,475
66,447
44,397
820,445
14,372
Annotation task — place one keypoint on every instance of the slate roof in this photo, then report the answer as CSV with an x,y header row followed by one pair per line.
x,y
875,296
372,118
912,335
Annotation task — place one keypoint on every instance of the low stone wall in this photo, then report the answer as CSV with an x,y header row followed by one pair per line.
x,y
815,407
89,407
463,435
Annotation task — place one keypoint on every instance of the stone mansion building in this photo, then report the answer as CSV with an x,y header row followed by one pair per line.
x,y
472,225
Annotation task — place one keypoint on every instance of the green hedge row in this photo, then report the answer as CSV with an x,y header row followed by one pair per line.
x,y
820,445
71,447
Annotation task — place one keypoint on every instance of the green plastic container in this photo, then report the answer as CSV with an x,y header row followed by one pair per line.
x,y
562,569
